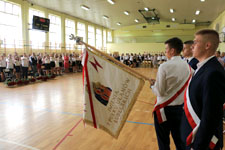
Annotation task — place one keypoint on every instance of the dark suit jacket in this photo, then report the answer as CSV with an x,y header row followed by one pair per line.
x,y
207,95
193,63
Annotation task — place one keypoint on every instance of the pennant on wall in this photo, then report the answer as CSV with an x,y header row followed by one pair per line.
x,y
110,92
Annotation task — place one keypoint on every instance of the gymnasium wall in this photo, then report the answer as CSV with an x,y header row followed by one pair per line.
x,y
219,25
150,37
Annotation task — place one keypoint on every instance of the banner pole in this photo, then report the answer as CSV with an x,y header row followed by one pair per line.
x,y
117,62
77,39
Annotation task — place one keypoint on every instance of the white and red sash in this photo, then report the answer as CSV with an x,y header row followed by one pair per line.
x,y
194,120
159,109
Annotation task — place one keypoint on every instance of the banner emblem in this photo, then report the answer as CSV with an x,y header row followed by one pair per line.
x,y
102,93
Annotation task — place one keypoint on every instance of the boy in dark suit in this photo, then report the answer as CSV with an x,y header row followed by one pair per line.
x,y
188,55
202,126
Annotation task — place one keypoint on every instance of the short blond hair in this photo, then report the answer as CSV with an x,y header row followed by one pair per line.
x,y
210,35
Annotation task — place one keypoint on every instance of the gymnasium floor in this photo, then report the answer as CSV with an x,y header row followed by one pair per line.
x,y
48,116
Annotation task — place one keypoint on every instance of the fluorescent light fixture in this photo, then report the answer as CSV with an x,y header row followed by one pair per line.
x,y
202,0
171,10
146,9
118,23
193,21
136,20
84,7
197,12
105,17
111,2
173,19
126,13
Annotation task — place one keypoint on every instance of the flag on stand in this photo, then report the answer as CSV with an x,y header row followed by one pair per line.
x,y
110,92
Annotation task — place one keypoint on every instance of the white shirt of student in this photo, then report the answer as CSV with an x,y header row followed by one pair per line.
x,y
56,62
9,63
131,58
47,60
163,57
159,58
73,59
3,62
24,61
171,77
17,62
52,59
200,64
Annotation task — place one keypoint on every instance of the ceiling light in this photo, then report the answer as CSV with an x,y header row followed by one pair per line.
x,y
173,19
111,2
105,17
171,10
202,0
84,7
126,13
197,12
193,21
146,9
136,20
118,23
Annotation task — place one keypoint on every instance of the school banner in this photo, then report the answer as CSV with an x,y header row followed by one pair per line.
x,y
110,92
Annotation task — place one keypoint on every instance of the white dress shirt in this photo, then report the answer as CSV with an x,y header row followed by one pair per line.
x,y
200,64
3,62
9,62
24,61
171,77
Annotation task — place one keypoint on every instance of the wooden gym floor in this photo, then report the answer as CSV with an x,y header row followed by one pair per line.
x,y
48,116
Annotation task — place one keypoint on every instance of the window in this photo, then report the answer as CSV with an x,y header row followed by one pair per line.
x,y
104,39
91,35
70,29
10,25
109,36
37,37
98,38
81,33
55,32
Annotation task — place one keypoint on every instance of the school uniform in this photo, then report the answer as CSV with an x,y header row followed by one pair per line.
x,y
47,64
171,80
52,62
204,101
17,64
56,62
192,62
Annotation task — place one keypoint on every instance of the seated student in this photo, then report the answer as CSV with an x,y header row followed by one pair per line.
x,y
187,53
